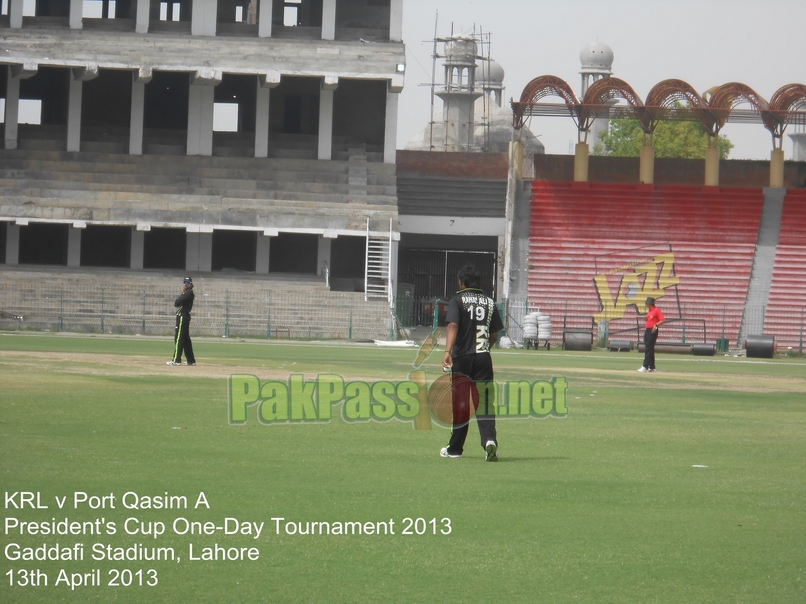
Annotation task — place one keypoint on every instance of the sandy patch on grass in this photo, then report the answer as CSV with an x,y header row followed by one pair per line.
x,y
140,366
133,366
671,380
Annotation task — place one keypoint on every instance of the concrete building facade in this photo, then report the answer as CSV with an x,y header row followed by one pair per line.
x,y
255,135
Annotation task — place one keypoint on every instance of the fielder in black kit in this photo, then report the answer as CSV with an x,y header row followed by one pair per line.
x,y
182,343
473,326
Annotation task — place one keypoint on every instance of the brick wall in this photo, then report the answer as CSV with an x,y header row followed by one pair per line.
x,y
732,173
457,165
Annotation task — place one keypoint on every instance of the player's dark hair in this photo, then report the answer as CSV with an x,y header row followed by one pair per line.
x,y
469,275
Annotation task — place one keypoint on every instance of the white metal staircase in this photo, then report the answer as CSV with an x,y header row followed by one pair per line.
x,y
378,265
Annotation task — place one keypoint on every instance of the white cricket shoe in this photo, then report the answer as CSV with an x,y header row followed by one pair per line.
x,y
492,451
444,453
643,370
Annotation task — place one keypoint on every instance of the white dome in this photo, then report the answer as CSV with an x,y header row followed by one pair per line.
x,y
596,57
496,73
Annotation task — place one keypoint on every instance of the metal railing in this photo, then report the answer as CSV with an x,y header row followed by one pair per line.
x,y
271,312
148,310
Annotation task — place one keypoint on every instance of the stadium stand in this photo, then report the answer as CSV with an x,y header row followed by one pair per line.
x,y
232,304
580,230
787,299
283,181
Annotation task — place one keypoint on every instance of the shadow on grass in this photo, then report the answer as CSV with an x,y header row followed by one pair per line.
x,y
521,459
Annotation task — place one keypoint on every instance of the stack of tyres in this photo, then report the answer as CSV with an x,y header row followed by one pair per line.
x,y
529,328
543,328
536,329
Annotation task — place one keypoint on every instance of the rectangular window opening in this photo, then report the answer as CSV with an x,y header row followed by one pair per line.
x,y
94,9
290,16
30,111
225,117
169,7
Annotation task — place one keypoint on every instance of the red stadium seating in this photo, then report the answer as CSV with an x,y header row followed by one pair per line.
x,y
711,231
787,300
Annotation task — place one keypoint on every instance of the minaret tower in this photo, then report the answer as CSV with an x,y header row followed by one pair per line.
x,y
597,63
459,93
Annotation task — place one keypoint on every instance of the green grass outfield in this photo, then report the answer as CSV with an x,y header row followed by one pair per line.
x,y
608,504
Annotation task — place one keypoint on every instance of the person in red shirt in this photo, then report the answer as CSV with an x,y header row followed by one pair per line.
x,y
654,318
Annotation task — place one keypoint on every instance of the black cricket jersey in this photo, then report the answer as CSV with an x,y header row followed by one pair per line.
x,y
477,318
184,303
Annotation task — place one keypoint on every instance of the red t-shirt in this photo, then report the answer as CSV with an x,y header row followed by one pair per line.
x,y
653,317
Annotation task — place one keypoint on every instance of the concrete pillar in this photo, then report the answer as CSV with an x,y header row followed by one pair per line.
x,y
74,247
12,244
205,252
143,16
329,19
516,157
136,119
76,10
712,162
396,21
390,128
581,162
265,83
393,256
199,252
262,260
777,169
323,255
203,19
15,13
200,119
326,120
646,172
264,16
12,109
192,252
79,76
262,122
137,249
74,116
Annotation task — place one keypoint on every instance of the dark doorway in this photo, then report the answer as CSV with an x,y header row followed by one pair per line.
x,y
347,257
106,246
106,103
42,243
52,8
294,106
433,272
359,111
165,117
165,248
293,253
234,250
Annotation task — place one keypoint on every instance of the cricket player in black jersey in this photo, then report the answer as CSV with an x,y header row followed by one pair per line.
x,y
473,326
182,343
